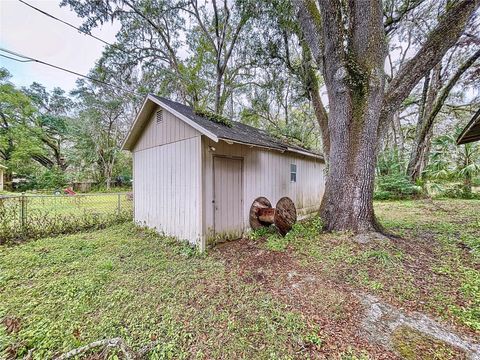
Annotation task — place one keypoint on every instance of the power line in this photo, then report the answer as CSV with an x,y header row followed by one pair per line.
x,y
73,26
11,58
30,59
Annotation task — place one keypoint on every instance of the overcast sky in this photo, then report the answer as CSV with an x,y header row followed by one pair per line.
x,y
33,34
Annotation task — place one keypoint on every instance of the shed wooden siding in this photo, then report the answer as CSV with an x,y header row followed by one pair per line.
x,y
167,178
266,173
170,130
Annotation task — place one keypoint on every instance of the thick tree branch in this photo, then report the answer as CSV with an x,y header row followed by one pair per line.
x,y
442,38
312,45
313,89
311,24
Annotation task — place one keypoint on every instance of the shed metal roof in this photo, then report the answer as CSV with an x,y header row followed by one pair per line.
x,y
472,130
237,133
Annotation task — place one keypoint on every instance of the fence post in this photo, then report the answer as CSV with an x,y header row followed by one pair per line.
x,y
119,204
23,210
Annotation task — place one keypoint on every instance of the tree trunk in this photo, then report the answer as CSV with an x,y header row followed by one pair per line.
x,y
398,135
353,125
467,184
355,83
218,92
423,133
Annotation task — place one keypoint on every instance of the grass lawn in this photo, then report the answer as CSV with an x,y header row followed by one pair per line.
x,y
69,205
67,291
264,297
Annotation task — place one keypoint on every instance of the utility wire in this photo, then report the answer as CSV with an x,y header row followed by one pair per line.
x,y
73,26
11,58
29,59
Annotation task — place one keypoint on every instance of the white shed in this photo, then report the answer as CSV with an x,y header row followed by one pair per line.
x,y
195,179
2,170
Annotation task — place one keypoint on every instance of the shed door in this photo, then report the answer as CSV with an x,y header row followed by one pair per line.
x,y
228,197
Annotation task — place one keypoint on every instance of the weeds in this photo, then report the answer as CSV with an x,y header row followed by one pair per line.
x,y
306,229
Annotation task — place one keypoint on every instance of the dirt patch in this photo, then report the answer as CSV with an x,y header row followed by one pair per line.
x,y
12,324
344,319
332,310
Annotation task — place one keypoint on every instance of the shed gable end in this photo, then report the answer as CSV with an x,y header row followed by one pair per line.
x,y
161,128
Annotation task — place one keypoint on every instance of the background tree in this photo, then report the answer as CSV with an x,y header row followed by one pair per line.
x,y
15,108
50,123
186,47
101,124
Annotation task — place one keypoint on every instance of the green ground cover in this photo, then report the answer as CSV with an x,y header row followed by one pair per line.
x,y
68,291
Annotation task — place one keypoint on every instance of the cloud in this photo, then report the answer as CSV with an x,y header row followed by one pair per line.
x,y
33,34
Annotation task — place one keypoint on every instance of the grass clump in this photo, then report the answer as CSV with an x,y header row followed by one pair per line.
x,y
306,229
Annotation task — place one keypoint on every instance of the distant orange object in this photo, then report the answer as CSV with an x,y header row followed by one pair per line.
x,y
69,191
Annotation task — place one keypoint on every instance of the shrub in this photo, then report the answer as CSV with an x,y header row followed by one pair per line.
x,y
395,186
458,191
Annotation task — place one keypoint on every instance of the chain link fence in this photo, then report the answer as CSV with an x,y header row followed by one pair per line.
x,y
33,216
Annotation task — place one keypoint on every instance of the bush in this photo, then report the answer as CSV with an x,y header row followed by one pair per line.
x,y
395,186
458,191
52,179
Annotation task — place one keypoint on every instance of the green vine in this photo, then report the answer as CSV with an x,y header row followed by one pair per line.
x,y
219,119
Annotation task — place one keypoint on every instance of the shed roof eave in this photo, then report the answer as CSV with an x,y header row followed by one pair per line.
x,y
281,150
469,133
132,137
306,153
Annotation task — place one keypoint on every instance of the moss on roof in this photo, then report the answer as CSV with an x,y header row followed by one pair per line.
x,y
219,119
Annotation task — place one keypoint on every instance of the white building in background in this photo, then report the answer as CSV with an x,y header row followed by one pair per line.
x,y
2,176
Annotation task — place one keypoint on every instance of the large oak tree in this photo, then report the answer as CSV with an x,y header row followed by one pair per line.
x,y
348,42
